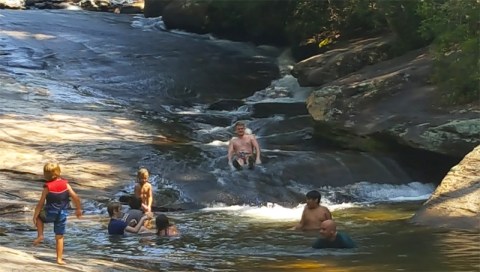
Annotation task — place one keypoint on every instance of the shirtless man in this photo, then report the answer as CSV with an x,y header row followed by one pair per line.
x,y
242,149
143,190
313,214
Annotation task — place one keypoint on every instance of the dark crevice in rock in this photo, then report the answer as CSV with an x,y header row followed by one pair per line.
x,y
421,165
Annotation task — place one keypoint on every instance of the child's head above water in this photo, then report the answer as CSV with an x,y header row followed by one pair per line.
x,y
142,175
113,207
51,171
162,222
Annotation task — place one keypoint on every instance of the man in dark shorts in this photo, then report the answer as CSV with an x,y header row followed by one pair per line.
x,y
243,150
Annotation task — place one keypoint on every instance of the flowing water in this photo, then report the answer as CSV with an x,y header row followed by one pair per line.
x,y
155,94
245,238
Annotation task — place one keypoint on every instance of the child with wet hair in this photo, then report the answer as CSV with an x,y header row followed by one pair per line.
x,y
118,224
53,206
164,227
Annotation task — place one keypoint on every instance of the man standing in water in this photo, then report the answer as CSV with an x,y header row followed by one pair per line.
x,y
242,149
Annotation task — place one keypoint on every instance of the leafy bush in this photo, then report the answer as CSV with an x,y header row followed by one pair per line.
x,y
454,27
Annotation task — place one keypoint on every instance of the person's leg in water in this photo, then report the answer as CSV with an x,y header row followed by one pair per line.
x,y
237,165
251,162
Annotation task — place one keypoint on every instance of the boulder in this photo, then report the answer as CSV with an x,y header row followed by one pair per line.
x,y
339,62
154,8
395,99
226,105
456,202
12,4
186,15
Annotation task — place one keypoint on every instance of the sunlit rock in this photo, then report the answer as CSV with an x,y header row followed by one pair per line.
x,y
456,202
12,4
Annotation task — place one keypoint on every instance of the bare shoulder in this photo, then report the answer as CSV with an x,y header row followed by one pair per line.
x,y
325,208
306,209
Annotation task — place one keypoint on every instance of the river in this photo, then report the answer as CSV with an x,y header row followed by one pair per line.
x,y
125,93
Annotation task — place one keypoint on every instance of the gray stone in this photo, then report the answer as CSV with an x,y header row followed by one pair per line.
x,y
456,202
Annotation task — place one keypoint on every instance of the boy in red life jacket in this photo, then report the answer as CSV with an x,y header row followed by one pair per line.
x,y
53,205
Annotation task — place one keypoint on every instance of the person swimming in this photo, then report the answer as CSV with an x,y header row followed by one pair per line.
x,y
164,227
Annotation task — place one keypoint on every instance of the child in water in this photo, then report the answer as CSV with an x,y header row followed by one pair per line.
x,y
118,224
143,190
164,228
56,193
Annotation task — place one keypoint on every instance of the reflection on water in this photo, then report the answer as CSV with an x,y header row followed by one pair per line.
x,y
225,240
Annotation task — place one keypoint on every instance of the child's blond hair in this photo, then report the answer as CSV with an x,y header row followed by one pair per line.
x,y
142,172
51,170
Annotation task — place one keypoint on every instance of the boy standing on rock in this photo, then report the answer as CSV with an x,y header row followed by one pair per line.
x,y
53,205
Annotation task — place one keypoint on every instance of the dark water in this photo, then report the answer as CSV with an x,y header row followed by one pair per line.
x,y
166,81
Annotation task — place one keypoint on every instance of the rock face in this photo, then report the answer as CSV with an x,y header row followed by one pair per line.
x,y
186,15
369,100
456,202
154,8
393,99
12,4
336,63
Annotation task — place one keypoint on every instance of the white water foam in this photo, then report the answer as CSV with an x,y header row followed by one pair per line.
x,y
272,211
372,192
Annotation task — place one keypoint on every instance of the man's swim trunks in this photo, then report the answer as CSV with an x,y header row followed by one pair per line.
x,y
247,159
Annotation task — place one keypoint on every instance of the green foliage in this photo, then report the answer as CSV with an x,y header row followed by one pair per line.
x,y
403,20
332,19
311,26
454,27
